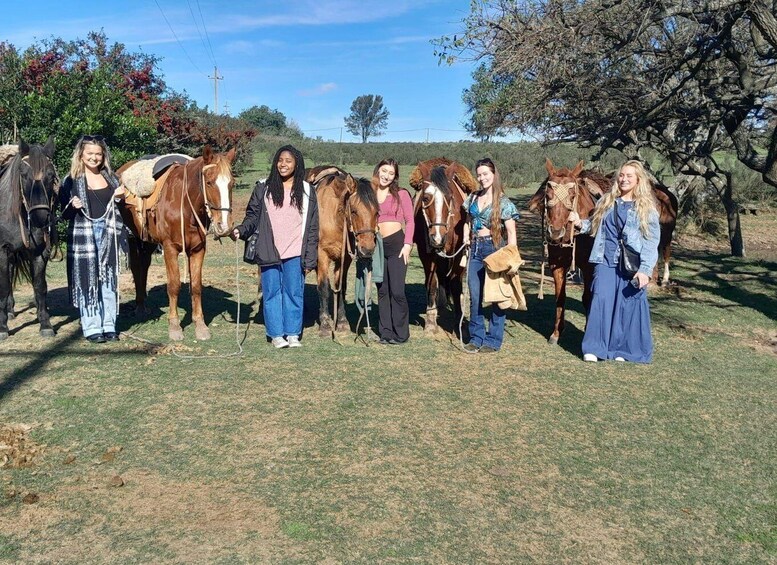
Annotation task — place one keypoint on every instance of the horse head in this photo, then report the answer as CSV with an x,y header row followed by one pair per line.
x,y
361,214
38,182
438,207
217,184
558,196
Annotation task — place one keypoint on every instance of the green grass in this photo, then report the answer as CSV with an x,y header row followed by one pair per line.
x,y
341,453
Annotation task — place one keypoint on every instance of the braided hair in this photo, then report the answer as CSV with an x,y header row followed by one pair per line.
x,y
275,183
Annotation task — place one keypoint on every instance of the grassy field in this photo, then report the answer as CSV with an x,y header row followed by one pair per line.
x,y
342,453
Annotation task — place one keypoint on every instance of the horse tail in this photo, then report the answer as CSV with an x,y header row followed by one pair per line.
x,y
20,262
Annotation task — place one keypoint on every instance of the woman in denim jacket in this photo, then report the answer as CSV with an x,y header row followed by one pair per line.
x,y
491,219
618,325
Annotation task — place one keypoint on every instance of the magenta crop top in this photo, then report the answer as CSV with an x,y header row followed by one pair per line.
x,y
390,212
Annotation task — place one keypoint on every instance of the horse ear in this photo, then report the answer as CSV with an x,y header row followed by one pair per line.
x,y
578,168
549,166
50,147
349,186
24,148
207,155
231,154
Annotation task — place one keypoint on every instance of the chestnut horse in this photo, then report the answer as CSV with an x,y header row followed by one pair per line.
x,y
441,186
348,223
563,191
195,199
28,187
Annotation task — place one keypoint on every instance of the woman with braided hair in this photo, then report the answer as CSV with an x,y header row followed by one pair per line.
x,y
283,215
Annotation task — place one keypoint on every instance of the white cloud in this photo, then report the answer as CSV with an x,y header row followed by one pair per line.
x,y
319,90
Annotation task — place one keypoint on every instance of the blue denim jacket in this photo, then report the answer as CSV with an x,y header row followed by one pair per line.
x,y
647,247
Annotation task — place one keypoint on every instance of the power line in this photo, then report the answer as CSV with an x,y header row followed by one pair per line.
x,y
176,37
212,55
197,27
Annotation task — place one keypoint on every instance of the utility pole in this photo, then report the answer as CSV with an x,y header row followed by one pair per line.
x,y
226,108
216,78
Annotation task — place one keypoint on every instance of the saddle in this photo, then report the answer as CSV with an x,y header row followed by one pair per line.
x,y
144,181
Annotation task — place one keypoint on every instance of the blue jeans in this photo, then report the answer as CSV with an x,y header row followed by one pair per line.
x,y
481,248
283,287
104,318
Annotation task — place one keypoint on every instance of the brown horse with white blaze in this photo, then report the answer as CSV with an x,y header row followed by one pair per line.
x,y
348,224
195,200
441,186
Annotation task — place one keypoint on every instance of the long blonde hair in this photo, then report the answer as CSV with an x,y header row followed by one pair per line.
x,y
644,201
77,166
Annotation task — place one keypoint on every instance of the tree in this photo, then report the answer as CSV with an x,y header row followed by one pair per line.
x,y
265,120
368,117
687,78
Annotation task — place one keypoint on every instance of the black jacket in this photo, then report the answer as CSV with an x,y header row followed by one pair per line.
x,y
257,220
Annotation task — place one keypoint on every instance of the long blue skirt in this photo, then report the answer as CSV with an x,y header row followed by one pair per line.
x,y
619,320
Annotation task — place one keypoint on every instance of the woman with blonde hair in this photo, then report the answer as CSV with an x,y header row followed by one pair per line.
x,y
618,325
90,198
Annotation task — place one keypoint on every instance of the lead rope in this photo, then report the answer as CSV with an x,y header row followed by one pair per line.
x,y
574,239
541,294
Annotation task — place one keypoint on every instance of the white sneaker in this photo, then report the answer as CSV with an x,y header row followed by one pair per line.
x,y
294,341
590,357
620,359
279,343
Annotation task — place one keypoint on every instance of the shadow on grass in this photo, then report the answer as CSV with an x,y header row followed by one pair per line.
x,y
750,284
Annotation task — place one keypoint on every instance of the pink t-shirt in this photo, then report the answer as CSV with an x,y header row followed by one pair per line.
x,y
390,212
286,223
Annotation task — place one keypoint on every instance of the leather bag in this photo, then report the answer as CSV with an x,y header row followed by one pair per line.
x,y
629,260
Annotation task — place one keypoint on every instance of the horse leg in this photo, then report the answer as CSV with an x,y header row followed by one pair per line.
x,y
11,304
432,287
173,289
324,290
5,291
41,290
342,322
201,331
140,253
667,256
560,283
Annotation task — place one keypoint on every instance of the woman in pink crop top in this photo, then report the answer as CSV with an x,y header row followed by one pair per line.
x,y
396,225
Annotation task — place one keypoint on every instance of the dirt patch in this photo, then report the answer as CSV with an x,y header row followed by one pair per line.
x,y
16,448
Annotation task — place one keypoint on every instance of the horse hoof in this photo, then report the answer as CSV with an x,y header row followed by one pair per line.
x,y
11,315
201,333
175,333
342,328
553,340
3,335
47,332
142,312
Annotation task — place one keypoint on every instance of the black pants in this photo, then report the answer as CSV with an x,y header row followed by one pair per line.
x,y
392,302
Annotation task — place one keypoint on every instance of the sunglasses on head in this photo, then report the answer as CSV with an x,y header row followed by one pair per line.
x,y
89,138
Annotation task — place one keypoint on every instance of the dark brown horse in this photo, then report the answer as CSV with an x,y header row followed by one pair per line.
x,y
348,223
28,187
195,199
441,186
565,190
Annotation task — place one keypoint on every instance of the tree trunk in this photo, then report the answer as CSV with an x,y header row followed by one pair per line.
x,y
735,238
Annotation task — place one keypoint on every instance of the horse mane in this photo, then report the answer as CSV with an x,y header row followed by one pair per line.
x,y
438,177
423,169
223,166
315,175
8,181
366,194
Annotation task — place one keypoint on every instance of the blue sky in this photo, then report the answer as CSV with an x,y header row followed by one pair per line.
x,y
307,58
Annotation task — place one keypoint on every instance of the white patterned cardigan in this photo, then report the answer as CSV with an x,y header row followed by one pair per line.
x,y
85,273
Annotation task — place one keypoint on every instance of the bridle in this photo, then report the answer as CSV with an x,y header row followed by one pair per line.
x,y
436,193
209,207
348,228
37,178
565,194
